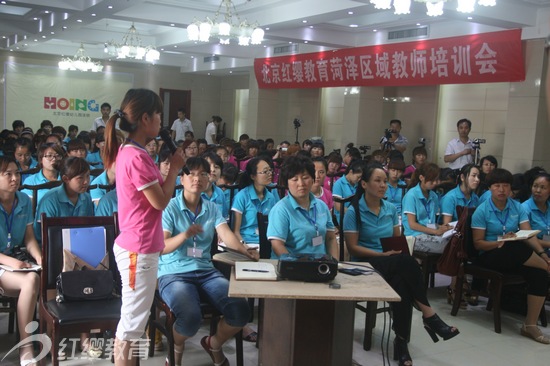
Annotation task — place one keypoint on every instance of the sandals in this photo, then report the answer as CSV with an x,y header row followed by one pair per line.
x,y
31,361
401,352
251,337
205,343
167,361
451,298
533,332
437,327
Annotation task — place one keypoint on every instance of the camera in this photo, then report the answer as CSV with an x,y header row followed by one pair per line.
x,y
477,142
283,149
339,151
364,148
297,123
388,132
422,141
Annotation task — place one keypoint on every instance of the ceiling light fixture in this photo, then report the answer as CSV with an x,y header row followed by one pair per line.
x,y
131,47
227,28
433,7
81,61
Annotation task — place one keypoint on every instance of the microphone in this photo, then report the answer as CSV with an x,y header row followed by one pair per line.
x,y
165,136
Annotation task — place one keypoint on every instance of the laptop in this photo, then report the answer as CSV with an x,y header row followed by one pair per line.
x,y
403,243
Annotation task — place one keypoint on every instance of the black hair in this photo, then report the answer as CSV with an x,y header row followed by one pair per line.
x,y
244,136
73,128
45,123
320,159
182,110
251,170
17,123
354,153
365,176
5,160
229,172
76,144
396,121
356,166
430,172
104,105
489,158
216,160
499,175
195,163
201,141
464,120
73,166
59,130
465,171
294,165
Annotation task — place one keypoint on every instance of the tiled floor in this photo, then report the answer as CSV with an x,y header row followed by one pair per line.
x,y
477,343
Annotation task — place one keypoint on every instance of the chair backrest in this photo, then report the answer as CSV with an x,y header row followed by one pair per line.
x,y
52,245
471,251
106,187
232,189
265,244
343,202
38,187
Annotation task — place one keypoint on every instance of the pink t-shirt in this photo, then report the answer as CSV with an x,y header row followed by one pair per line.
x,y
140,223
326,197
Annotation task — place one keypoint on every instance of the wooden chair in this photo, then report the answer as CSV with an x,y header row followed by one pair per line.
x,y
428,264
62,319
38,187
9,305
496,280
341,241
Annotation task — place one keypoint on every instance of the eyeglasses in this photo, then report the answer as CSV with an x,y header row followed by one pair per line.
x,y
191,148
202,175
267,171
52,157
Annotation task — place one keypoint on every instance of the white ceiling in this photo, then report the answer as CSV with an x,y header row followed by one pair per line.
x,y
37,26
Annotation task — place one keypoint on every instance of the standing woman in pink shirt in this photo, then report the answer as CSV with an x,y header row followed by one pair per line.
x,y
142,195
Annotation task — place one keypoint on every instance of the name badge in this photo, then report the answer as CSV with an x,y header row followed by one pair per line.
x,y
257,231
194,252
546,237
432,226
318,240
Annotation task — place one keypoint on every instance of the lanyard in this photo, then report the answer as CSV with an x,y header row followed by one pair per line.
x,y
503,222
135,143
544,217
308,218
8,218
259,206
393,191
193,219
427,207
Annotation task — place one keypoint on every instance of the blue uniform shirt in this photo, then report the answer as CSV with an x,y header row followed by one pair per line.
x,y
34,180
95,160
454,198
247,203
108,204
18,220
425,210
97,192
394,195
218,198
373,227
295,227
539,221
491,219
176,218
342,189
55,203
486,195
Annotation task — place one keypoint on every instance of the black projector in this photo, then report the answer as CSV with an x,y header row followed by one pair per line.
x,y
307,267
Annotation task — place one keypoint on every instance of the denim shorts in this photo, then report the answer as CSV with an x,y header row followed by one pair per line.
x,y
184,292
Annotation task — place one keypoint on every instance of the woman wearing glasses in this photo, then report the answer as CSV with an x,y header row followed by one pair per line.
x,y
253,198
186,273
190,148
49,155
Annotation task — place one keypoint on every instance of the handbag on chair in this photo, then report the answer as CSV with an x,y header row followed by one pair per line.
x,y
84,286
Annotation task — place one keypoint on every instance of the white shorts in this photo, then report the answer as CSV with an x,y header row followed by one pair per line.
x,y
139,280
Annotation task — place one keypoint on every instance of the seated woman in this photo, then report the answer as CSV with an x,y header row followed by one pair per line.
x,y
317,189
212,192
419,156
537,208
394,193
49,156
253,198
300,223
487,164
347,185
185,266
16,232
370,218
420,206
317,150
23,156
95,158
501,215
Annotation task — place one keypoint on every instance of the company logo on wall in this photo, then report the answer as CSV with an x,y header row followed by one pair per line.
x,y
72,104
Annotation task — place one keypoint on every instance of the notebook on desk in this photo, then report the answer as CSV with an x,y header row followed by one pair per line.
x,y
260,271
403,243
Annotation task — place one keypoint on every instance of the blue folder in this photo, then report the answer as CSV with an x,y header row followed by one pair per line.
x,y
87,243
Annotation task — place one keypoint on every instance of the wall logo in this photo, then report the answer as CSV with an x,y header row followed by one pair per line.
x,y
73,104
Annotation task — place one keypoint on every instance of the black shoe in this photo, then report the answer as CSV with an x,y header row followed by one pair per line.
x,y
401,352
437,327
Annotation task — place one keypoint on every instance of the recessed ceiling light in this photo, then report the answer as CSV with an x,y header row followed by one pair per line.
x,y
311,27
375,30
306,41
289,42
35,18
304,21
470,18
43,36
418,24
79,20
192,56
26,44
231,72
265,46
36,40
52,32
46,12
172,24
3,2
64,27
208,74
175,46
110,7
93,14
350,12
3,37
162,49
266,28
353,25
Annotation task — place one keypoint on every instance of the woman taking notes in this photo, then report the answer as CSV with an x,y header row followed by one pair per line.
x,y
142,195
370,218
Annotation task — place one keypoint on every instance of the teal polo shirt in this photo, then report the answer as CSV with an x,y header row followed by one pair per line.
x,y
454,198
425,210
247,203
34,180
373,226
342,189
18,220
97,192
108,204
538,219
297,227
218,197
394,195
176,218
489,218
55,203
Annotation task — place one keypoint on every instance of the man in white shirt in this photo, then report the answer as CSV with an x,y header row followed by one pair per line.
x,y
460,152
181,126
105,114
212,130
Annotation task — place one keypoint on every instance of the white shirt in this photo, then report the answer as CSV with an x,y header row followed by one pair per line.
x,y
454,147
181,127
211,129
98,122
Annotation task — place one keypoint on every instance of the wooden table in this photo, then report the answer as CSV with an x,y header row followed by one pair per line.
x,y
304,323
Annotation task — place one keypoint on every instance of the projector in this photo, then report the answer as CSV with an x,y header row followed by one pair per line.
x,y
307,267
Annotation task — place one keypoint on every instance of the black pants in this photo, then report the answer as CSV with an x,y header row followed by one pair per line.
x,y
403,274
509,259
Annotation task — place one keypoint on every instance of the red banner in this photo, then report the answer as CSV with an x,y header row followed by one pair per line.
x,y
478,58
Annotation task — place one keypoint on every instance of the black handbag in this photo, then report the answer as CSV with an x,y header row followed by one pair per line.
x,y
84,285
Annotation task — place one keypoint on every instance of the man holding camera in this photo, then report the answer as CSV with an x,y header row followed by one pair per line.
x,y
460,151
392,139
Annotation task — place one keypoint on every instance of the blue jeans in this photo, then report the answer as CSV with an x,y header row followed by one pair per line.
x,y
183,292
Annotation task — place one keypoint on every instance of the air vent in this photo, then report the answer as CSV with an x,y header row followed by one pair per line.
x,y
420,32
287,48
211,58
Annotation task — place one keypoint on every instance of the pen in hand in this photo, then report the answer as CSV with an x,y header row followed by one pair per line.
x,y
255,270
